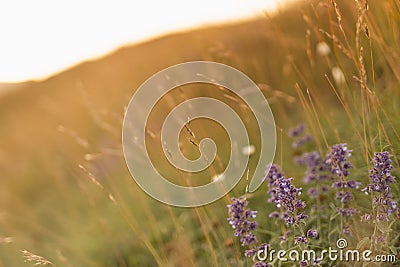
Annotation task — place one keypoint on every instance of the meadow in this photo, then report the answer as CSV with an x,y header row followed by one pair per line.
x,y
68,199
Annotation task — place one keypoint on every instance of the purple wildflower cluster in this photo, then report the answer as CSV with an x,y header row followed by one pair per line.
x,y
315,166
261,264
274,173
337,160
299,136
242,220
303,263
297,131
253,252
339,165
315,172
300,239
284,194
312,233
334,170
381,179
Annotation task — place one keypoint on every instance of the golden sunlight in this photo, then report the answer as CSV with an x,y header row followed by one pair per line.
x,y
43,37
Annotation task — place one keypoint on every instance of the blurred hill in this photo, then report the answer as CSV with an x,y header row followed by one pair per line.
x,y
92,95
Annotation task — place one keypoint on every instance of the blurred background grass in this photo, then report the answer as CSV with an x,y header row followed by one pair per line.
x,y
66,193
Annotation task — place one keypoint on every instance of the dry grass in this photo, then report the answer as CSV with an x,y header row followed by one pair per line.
x,y
35,259
66,191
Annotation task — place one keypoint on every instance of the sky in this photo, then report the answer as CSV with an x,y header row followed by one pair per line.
x,y
41,37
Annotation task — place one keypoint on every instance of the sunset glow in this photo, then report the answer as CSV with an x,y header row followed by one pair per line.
x,y
43,37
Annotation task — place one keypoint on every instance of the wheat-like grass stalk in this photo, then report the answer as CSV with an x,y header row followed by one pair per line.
x,y
35,259
6,240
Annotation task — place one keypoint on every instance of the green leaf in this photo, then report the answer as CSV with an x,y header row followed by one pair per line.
x,y
363,242
383,227
335,230
333,207
393,250
334,215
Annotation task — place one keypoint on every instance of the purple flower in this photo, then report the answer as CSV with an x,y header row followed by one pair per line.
x,y
344,196
316,172
250,253
263,246
300,204
339,184
339,165
346,184
274,173
303,263
312,192
317,261
301,217
337,160
274,215
242,220
284,215
348,212
353,184
302,140
300,239
324,188
285,196
272,176
248,238
299,136
381,179
346,229
289,220
379,239
366,217
312,233
261,264
296,131
286,235
315,166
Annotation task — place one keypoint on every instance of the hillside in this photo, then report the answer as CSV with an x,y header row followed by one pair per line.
x,y
103,87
